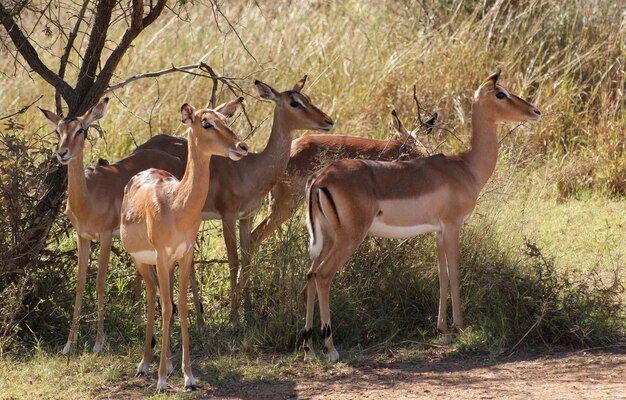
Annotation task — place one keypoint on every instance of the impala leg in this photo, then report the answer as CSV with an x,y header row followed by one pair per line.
x,y
145,271
244,281
451,244
311,292
103,263
185,270
228,226
442,324
83,263
163,270
279,211
338,255
197,300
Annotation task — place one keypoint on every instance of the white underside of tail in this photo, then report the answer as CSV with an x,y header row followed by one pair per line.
x,y
316,242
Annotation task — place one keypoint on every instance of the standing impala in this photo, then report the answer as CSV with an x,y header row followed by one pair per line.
x,y
238,189
350,199
309,153
160,221
94,200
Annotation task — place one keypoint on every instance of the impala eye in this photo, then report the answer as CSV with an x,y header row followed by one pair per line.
x,y
79,131
206,124
294,104
501,95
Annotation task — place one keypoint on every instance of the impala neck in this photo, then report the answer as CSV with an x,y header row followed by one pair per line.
x,y
270,164
194,187
483,155
77,196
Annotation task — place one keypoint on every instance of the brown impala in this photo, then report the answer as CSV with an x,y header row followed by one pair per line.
x,y
160,220
94,199
310,153
351,199
238,189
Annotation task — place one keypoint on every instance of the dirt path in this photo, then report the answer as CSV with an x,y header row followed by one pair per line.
x,y
577,375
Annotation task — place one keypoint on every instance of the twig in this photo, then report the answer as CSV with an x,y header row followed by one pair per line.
x,y
183,68
21,110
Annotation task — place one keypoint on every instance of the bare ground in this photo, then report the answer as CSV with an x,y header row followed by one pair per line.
x,y
562,375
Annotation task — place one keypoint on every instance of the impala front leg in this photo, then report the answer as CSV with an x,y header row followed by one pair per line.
x,y
442,324
163,269
145,271
245,242
451,244
103,264
230,238
83,264
185,270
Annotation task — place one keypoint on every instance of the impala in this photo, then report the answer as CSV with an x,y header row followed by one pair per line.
x,y
350,199
310,153
238,189
94,200
160,220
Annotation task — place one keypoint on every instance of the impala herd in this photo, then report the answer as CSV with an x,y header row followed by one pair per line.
x,y
156,198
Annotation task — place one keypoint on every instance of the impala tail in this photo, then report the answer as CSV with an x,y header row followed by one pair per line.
x,y
322,210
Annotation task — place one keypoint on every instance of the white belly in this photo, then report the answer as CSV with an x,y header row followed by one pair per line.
x,y
400,232
178,253
145,257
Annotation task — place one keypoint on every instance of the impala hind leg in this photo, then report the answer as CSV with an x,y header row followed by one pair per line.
x,y
338,255
184,272
83,246
103,264
146,273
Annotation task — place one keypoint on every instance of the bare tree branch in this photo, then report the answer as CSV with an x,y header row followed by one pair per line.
x,y
137,25
66,54
97,39
154,75
21,110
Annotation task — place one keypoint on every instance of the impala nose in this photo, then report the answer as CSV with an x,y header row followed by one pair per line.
x,y
241,146
61,155
537,111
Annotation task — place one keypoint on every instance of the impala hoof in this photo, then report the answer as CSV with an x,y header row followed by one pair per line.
x,y
97,347
69,348
161,386
190,388
140,374
333,355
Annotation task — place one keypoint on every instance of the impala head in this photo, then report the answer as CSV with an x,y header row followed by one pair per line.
x,y
296,107
211,130
502,105
410,137
72,131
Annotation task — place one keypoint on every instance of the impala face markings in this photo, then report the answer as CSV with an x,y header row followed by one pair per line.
x,y
350,199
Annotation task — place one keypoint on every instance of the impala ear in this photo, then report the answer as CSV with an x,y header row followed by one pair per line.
x,y
401,133
187,112
266,91
298,86
229,109
96,112
51,117
430,123
494,77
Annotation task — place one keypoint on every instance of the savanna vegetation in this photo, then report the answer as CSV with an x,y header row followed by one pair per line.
x,y
542,256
